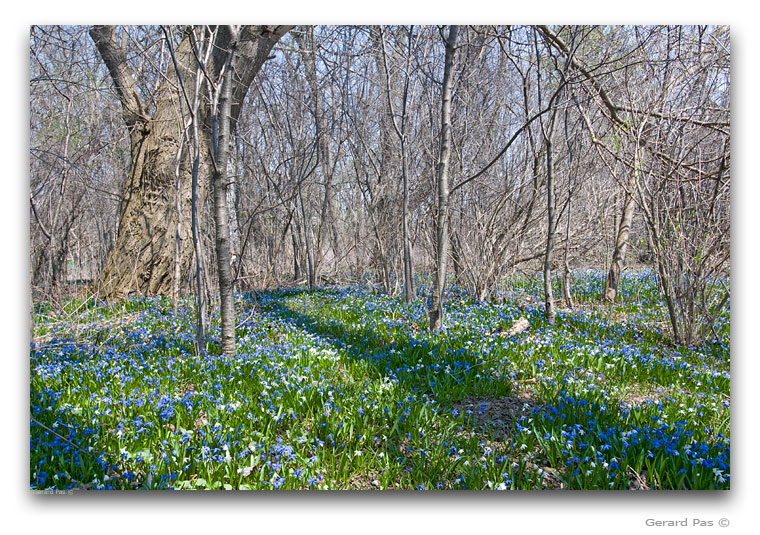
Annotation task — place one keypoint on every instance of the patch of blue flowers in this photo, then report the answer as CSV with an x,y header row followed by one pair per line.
x,y
342,388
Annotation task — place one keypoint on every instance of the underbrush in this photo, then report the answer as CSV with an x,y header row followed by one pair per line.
x,y
340,388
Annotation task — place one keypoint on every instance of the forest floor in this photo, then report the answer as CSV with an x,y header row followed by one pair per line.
x,y
340,388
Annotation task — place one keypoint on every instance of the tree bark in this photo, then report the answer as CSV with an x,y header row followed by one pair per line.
x,y
621,246
409,290
567,294
435,311
307,241
296,252
142,260
220,157
177,235
200,268
550,310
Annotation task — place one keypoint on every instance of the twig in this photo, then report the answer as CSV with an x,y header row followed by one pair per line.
x,y
46,428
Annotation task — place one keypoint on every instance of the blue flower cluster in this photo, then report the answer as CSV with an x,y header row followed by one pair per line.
x,y
344,388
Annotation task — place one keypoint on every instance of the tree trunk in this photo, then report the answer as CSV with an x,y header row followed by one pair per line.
x,y
551,228
408,264
621,246
142,260
551,204
435,310
567,294
307,242
178,234
200,269
305,40
294,234
379,195
220,157
409,291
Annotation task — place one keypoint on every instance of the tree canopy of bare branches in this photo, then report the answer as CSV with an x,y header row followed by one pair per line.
x,y
407,157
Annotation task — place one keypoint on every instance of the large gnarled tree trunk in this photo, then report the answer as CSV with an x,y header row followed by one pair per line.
x,y
142,260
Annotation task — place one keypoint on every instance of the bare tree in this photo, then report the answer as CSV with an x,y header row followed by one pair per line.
x,y
565,147
327,225
221,117
74,159
400,127
680,167
139,261
435,309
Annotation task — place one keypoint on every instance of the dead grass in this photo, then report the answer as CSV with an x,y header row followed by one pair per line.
x,y
497,415
80,329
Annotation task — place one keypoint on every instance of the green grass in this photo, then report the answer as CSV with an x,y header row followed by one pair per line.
x,y
339,388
